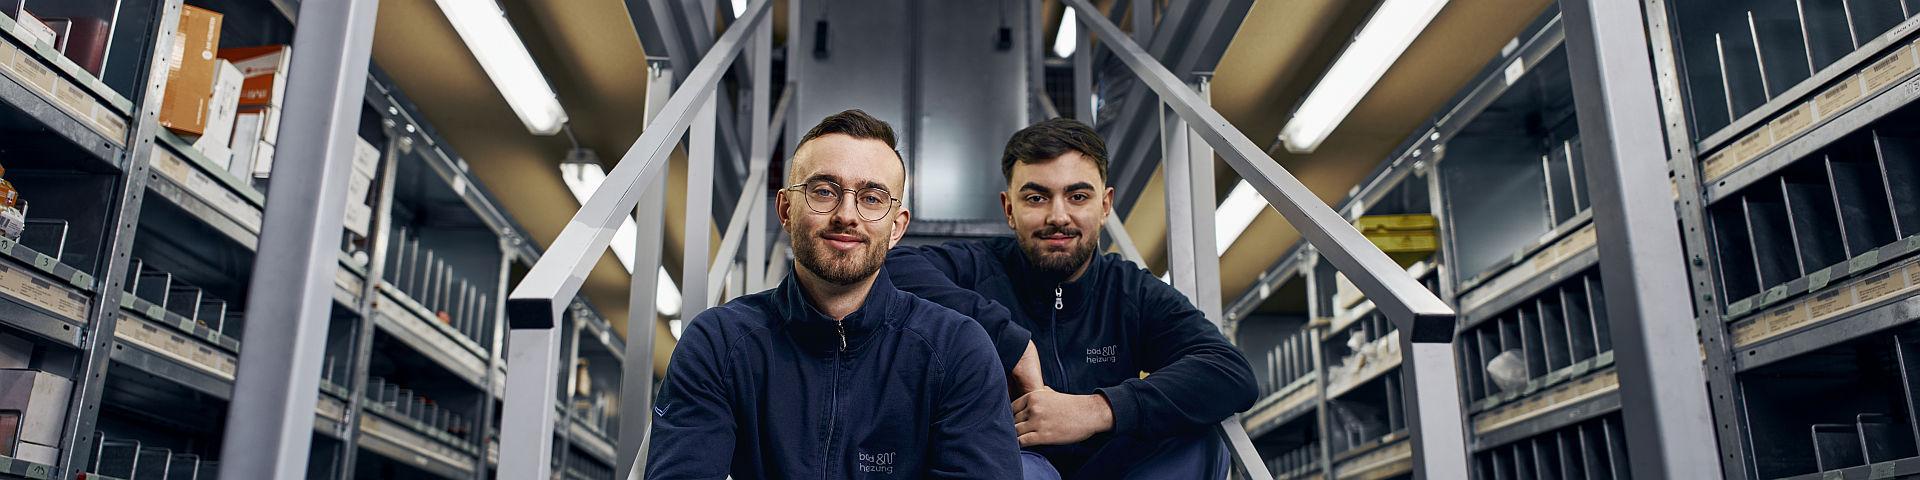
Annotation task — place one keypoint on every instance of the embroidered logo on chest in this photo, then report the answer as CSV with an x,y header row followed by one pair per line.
x,y
1106,354
881,462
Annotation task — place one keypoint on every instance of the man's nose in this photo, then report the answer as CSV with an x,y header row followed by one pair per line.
x,y
846,211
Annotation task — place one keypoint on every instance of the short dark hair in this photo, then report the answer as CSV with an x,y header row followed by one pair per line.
x,y
1050,139
854,123
858,124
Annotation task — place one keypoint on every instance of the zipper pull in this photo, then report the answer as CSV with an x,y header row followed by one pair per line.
x,y
1058,303
842,328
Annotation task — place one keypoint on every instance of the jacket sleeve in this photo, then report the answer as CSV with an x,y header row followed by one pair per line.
x,y
973,428
930,273
1196,377
693,426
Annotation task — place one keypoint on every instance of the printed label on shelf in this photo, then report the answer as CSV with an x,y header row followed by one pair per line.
x,y
1879,286
1752,145
1716,165
1838,98
1824,305
207,189
110,123
24,286
1889,69
173,345
1792,122
1536,405
7,53
1384,462
33,73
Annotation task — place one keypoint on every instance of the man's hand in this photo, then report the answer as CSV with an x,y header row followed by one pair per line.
x,y
1047,417
1025,376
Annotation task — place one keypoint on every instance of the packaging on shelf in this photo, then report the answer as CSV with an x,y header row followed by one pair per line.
x,y
252,153
214,144
41,400
190,71
83,40
35,29
13,212
263,67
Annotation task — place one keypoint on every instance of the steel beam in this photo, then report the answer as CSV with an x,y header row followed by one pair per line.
x,y
1426,323
274,390
1663,393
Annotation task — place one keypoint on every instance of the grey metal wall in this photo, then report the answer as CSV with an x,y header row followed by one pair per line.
x,y
942,82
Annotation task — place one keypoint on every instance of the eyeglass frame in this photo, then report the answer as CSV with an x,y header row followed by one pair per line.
x,y
841,196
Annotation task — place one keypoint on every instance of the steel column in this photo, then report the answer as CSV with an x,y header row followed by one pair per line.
x,y
1663,395
362,347
636,370
275,388
83,407
696,242
1206,266
1181,254
760,154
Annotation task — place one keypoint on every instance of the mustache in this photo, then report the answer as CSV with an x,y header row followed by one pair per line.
x,y
841,231
1056,230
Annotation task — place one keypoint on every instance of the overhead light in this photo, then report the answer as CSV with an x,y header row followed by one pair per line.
x,y
1068,37
485,30
1243,204
676,326
739,7
1380,42
582,178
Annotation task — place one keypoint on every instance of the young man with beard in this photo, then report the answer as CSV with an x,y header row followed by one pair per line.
x,y
1087,324
835,373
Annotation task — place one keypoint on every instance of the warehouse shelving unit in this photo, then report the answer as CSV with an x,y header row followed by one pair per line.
x,y
1792,147
1516,258
132,275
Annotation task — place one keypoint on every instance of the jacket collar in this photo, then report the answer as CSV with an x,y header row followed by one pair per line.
x,y
820,334
1036,290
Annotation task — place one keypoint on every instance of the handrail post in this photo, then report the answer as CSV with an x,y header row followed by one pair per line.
x,y
695,246
636,370
760,155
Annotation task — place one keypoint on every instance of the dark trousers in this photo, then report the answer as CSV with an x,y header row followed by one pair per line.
x,y
1196,456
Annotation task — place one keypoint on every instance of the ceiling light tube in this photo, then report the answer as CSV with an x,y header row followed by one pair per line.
x,y
1386,35
1067,38
486,32
1235,214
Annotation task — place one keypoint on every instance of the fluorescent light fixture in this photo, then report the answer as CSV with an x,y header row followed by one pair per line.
x,y
486,32
582,179
1235,214
1068,38
676,326
1380,42
739,7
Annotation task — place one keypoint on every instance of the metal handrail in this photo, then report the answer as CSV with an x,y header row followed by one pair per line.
x,y
1426,323
537,303
750,193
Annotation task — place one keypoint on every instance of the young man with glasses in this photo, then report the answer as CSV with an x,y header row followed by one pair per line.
x,y
835,373
1087,324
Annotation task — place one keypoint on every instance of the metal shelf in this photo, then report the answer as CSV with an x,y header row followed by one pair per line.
x,y
188,186
11,469
1566,242
1588,448
172,371
1527,413
406,446
1283,406
39,93
399,317
1902,468
1383,458
1562,415
39,298
1800,335
591,441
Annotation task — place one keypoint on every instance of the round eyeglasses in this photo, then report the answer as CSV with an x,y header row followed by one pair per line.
x,y
824,197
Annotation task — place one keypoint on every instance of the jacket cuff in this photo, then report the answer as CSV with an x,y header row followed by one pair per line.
x,y
1126,417
1011,343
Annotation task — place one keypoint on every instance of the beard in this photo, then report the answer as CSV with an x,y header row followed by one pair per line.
x,y
835,266
1055,262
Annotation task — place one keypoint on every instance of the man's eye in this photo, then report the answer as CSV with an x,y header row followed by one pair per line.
x,y
872,199
823,192
1078,197
1036,199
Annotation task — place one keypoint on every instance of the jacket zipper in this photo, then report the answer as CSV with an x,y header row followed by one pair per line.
x,y
833,401
1053,325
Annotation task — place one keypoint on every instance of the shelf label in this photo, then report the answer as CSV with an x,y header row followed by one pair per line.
x,y
1716,165
44,262
33,73
1793,122
1838,98
1878,286
1752,145
1889,69
1830,302
24,286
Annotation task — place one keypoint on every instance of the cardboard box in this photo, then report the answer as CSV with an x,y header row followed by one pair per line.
x,y
191,68
264,68
41,398
220,115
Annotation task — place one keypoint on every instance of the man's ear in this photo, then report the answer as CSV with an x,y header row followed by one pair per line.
x,y
1106,204
1006,208
900,221
780,204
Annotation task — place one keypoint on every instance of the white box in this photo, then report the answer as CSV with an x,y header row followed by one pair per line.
x,y
35,28
36,453
246,134
221,113
357,217
41,398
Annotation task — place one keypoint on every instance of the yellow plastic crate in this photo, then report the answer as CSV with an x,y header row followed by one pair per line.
x,y
1405,242
1396,223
